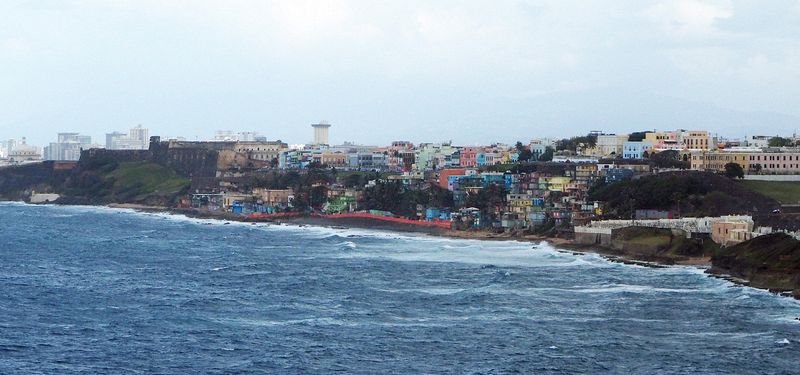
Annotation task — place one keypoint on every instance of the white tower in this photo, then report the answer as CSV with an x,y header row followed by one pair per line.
x,y
321,132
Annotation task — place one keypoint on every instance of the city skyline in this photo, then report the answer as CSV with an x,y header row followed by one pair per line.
x,y
415,71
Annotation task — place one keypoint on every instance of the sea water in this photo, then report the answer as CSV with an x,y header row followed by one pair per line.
x,y
99,290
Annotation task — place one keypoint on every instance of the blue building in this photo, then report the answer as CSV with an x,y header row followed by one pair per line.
x,y
480,159
618,174
636,149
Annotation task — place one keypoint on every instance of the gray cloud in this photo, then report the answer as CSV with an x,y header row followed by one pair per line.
x,y
471,71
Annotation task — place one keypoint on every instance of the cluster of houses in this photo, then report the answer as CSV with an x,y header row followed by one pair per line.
x,y
557,196
701,150
400,156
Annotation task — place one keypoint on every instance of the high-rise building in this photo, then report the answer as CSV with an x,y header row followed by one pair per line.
x,y
230,136
113,139
137,139
68,147
140,134
321,133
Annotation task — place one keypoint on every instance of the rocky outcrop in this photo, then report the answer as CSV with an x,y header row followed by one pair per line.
x,y
769,262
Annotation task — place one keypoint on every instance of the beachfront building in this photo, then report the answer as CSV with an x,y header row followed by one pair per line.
x,y
731,231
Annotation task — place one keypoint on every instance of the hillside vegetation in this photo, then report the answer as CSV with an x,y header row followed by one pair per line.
x,y
687,193
129,182
17,182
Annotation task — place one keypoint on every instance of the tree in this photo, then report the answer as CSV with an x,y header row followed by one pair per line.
x,y
734,170
637,136
354,180
547,155
669,159
524,153
489,200
318,196
572,144
780,142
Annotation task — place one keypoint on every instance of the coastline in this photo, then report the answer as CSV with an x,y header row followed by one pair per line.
x,y
561,244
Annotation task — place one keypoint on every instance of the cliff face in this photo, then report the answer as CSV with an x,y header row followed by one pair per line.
x,y
658,245
157,176
771,262
17,182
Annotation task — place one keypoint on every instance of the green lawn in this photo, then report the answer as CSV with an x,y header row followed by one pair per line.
x,y
139,179
785,192
650,239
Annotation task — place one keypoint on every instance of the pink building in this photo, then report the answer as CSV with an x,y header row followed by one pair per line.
x,y
469,156
776,162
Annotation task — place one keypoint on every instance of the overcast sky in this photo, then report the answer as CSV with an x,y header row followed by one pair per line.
x,y
468,71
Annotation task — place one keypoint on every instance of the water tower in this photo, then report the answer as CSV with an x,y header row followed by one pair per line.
x,y
321,132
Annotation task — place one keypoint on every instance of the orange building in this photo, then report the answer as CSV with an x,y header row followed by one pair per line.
x,y
445,173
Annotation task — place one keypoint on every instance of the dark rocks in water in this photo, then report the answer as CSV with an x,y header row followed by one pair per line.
x,y
635,262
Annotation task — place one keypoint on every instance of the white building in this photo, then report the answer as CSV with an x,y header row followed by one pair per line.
x,y
321,133
231,136
137,139
760,141
68,147
21,153
608,144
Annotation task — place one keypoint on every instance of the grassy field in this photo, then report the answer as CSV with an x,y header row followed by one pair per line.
x,y
785,192
133,181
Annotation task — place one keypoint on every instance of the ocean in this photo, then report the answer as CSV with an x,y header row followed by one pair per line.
x,y
98,290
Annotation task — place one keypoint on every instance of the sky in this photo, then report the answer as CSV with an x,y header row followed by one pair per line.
x,y
471,72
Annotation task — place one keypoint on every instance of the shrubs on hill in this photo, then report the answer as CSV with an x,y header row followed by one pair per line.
x,y
686,193
127,182
392,196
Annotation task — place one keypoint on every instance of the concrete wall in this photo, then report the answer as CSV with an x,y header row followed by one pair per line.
x,y
593,239
44,198
688,225
775,177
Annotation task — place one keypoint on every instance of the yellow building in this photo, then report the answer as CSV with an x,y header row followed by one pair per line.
x,y
333,159
584,172
716,160
728,233
558,183
696,140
